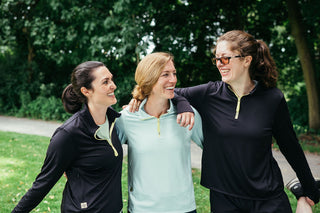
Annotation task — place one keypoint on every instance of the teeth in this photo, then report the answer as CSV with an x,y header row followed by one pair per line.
x,y
170,88
110,94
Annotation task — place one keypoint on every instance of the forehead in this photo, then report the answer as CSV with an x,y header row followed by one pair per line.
x,y
169,66
102,72
223,47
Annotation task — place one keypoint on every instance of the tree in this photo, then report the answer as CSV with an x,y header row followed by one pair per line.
x,y
309,73
44,40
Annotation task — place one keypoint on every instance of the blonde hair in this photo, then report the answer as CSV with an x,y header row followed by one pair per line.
x,y
148,72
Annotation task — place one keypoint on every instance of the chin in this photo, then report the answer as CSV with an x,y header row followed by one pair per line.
x,y
171,96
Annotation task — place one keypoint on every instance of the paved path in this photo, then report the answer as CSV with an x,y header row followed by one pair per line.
x,y
44,128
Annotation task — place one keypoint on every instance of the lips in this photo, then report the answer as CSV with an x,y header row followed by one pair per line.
x,y
111,94
224,72
169,88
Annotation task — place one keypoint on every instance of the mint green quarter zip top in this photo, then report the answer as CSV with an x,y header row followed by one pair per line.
x,y
159,164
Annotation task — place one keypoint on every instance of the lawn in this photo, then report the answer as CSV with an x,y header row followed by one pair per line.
x,y
21,157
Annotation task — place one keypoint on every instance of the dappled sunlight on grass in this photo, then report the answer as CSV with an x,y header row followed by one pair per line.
x,y
20,162
22,157
8,167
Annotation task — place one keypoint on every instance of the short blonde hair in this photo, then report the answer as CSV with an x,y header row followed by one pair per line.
x,y
148,72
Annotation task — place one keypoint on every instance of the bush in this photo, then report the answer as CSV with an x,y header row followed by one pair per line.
x,y
44,108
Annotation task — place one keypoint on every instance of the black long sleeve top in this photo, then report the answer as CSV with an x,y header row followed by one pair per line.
x,y
92,168
237,156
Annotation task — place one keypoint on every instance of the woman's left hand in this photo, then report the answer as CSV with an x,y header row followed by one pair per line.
x,y
185,119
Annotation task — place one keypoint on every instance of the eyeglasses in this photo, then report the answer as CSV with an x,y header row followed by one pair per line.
x,y
224,60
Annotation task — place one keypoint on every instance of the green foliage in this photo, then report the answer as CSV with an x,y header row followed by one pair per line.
x,y
44,108
42,41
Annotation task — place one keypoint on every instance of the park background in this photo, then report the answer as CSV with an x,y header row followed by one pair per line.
x,y
42,41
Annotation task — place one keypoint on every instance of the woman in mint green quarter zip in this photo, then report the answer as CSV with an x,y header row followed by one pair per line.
x,y
159,165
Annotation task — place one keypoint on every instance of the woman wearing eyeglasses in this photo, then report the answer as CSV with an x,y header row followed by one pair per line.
x,y
241,114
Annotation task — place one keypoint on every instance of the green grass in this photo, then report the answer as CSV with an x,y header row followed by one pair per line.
x,y
21,158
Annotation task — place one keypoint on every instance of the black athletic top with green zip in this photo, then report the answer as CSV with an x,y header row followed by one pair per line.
x,y
237,156
93,168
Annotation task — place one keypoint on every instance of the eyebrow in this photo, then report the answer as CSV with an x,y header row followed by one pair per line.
x,y
169,71
107,78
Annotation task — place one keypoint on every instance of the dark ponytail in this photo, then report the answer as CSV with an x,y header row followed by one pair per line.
x,y
72,97
264,70
72,103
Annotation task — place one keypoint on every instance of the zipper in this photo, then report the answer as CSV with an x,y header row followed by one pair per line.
x,y
238,103
238,108
158,122
109,141
158,126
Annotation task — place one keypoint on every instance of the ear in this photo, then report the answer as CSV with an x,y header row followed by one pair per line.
x,y
248,60
84,91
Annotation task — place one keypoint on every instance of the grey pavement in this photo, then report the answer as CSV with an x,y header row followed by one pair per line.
x,y
45,128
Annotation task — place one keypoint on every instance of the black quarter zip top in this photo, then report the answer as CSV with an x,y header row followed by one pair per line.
x,y
92,167
237,155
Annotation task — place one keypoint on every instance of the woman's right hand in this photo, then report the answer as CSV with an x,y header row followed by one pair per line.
x,y
303,206
133,105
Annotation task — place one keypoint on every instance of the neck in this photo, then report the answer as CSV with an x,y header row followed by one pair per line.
x,y
156,106
242,89
98,113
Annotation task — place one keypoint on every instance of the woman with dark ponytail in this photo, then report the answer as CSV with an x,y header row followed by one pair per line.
x,y
86,147
241,114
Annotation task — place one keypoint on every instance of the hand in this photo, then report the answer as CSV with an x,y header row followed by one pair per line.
x,y
65,175
133,105
303,205
185,119
310,202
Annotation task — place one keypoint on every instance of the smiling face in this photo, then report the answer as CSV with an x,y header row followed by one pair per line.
x,y
164,88
103,87
237,71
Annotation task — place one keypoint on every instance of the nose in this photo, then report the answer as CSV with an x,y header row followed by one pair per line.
x,y
113,85
173,78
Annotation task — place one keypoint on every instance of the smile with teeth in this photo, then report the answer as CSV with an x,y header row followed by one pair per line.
x,y
111,94
224,71
169,88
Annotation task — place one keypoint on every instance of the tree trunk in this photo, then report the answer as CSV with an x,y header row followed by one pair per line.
x,y
306,63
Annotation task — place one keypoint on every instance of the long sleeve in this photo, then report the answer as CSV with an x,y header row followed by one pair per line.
x,y
197,133
120,126
59,155
195,95
291,149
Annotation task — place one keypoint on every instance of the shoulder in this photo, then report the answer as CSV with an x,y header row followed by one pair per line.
x,y
70,125
272,93
214,86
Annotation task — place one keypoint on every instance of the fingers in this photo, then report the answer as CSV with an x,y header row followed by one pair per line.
x,y
179,117
124,106
191,123
185,119
303,206
311,203
65,175
133,105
